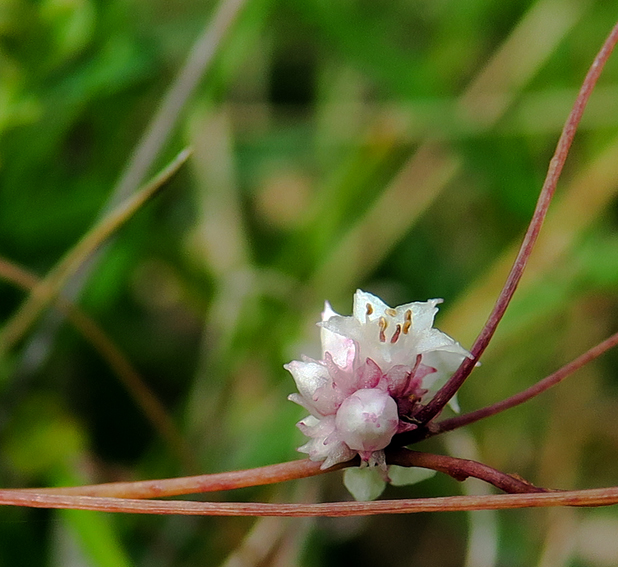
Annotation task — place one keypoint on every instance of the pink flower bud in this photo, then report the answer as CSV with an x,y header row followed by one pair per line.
x,y
367,420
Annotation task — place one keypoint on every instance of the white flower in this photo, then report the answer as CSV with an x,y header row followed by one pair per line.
x,y
376,366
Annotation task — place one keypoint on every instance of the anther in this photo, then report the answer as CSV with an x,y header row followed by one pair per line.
x,y
383,323
369,310
391,312
407,322
396,334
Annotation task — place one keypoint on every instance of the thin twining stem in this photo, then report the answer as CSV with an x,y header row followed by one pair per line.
x,y
515,400
527,394
136,386
590,497
459,469
270,474
444,395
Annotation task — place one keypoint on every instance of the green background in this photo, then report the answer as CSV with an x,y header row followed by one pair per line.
x,y
396,146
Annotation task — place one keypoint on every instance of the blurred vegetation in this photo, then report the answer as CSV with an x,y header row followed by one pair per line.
x,y
397,146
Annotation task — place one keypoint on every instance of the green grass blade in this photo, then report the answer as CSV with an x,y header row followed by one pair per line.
x,y
49,288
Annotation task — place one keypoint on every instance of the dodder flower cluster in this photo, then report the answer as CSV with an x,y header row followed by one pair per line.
x,y
376,367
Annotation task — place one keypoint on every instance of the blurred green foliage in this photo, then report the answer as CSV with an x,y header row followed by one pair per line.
x,y
337,144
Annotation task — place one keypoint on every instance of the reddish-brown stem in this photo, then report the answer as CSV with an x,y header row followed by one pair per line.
x,y
515,400
529,393
461,469
591,497
270,474
444,395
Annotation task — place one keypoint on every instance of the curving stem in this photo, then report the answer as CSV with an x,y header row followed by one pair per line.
x,y
444,395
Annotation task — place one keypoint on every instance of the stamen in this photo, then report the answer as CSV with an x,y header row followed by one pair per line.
x,y
396,334
391,312
369,309
383,323
408,322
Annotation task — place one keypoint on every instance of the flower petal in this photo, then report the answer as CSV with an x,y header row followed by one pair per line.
x,y
339,453
433,340
402,476
398,379
341,348
368,375
364,483
367,307
314,385
423,313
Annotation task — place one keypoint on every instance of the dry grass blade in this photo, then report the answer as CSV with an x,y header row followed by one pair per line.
x,y
197,64
428,171
144,397
49,288
433,166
